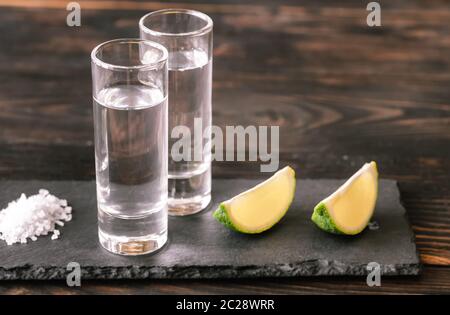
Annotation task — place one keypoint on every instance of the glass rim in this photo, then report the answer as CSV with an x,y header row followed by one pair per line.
x,y
112,66
201,31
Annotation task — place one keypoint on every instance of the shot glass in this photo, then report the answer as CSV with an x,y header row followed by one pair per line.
x,y
129,80
187,35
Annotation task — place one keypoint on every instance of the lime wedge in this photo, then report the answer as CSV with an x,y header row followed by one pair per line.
x,y
349,209
261,207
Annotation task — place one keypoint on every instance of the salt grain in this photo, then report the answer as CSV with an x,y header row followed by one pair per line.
x,y
33,216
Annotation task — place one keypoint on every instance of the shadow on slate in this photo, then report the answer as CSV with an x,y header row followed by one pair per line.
x,y
200,247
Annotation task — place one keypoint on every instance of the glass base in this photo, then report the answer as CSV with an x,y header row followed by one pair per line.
x,y
187,206
190,193
132,246
132,235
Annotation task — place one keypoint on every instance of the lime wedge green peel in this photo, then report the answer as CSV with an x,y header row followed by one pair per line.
x,y
261,207
349,209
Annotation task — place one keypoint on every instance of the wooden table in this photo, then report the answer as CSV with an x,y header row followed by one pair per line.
x,y
342,92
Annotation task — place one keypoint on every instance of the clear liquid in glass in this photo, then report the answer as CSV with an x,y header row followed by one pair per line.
x,y
131,168
189,99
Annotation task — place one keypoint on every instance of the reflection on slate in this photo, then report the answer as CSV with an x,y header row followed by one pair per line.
x,y
200,247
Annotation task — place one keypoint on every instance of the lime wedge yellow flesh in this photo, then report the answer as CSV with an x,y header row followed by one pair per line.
x,y
260,207
349,209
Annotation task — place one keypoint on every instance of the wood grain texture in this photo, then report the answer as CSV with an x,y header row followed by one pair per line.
x,y
341,92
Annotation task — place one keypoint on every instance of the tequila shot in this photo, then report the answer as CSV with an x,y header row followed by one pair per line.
x,y
187,35
129,79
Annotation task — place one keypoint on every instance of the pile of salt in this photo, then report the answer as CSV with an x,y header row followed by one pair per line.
x,y
33,216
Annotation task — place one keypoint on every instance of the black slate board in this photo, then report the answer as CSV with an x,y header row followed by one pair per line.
x,y
199,247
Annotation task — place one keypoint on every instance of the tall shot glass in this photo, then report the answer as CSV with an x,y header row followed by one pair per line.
x,y
187,35
129,80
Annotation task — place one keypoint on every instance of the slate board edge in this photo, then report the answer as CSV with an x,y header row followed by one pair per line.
x,y
307,268
405,214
